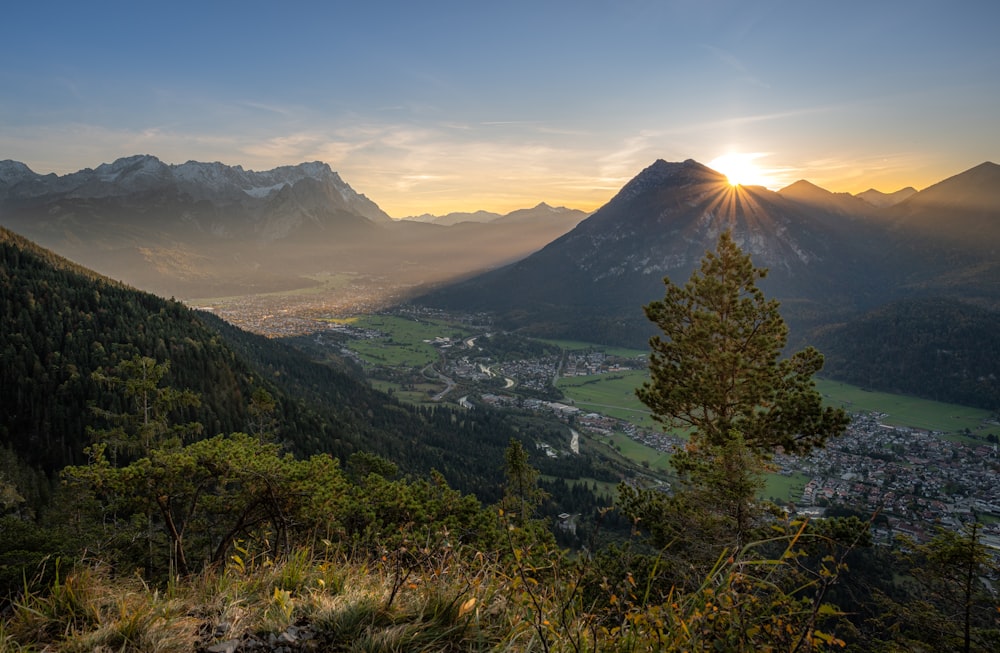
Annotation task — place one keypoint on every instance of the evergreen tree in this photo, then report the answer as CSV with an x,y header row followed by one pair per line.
x,y
717,370
262,421
948,602
522,496
145,423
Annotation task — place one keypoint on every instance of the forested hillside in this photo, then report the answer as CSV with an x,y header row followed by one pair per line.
x,y
60,324
940,349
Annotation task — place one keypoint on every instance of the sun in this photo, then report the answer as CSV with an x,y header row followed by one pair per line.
x,y
741,169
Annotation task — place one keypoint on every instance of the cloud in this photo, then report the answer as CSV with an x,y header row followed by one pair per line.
x,y
736,64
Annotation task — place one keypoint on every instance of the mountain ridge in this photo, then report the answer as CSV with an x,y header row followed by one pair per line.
x,y
201,180
829,254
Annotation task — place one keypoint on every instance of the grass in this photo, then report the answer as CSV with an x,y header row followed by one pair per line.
x,y
449,600
610,394
608,488
636,452
784,488
405,343
347,606
576,345
614,395
902,410
420,394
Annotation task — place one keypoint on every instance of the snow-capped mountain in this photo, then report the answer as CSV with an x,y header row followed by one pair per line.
x,y
196,181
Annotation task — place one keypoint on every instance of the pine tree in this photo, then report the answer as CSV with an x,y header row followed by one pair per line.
x,y
717,370
949,603
145,423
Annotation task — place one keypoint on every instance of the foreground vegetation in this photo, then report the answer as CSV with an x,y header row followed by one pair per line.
x,y
425,599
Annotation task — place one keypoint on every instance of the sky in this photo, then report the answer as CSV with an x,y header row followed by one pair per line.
x,y
434,106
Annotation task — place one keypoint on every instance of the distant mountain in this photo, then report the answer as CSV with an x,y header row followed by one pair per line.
x,y
808,193
540,212
882,200
543,211
208,229
454,218
142,175
964,209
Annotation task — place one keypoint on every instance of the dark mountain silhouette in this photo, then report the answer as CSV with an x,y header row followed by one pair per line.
x,y
964,210
541,211
454,218
882,200
808,193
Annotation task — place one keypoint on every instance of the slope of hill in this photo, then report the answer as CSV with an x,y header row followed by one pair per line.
x,y
963,210
939,349
60,323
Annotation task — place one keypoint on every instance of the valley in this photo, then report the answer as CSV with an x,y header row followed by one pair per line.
x,y
912,461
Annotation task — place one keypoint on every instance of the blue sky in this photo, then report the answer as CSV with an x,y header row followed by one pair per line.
x,y
441,106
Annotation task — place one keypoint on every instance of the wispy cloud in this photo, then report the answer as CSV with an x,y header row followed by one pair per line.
x,y
736,64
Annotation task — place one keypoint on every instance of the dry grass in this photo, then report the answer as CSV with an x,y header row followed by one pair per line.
x,y
441,603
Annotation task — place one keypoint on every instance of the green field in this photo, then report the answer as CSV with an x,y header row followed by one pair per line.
x,y
403,344
623,446
614,395
784,488
420,394
576,345
610,394
901,410
603,487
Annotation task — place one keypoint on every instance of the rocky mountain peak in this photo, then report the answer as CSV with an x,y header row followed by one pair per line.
x,y
663,174
11,172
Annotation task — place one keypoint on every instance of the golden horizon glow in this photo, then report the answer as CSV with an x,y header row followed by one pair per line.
x,y
741,170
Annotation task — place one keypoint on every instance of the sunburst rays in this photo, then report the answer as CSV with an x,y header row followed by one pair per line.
x,y
729,206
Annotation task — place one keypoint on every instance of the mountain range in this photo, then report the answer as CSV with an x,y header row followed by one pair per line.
x,y
202,229
843,266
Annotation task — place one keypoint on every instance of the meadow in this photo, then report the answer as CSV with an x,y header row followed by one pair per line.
x,y
614,395
901,410
610,394
406,343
